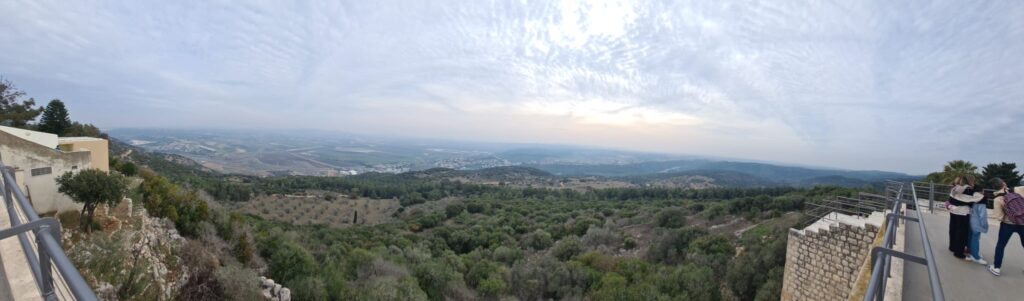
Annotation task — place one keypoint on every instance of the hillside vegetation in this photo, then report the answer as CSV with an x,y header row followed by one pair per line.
x,y
443,234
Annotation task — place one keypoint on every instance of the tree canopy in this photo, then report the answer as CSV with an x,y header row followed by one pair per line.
x,y
1005,171
92,187
55,118
959,168
15,111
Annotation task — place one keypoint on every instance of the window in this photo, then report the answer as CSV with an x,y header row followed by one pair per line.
x,y
41,171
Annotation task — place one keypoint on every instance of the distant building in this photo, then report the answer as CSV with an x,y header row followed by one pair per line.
x,y
38,158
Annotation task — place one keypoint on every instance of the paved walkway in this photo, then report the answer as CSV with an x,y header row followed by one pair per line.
x,y
962,280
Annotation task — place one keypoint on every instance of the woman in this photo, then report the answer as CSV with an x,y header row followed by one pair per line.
x,y
1007,225
979,226
961,197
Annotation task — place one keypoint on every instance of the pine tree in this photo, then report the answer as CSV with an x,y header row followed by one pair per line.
x,y
55,118
1005,171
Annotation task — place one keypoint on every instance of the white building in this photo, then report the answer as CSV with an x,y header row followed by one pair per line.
x,y
37,160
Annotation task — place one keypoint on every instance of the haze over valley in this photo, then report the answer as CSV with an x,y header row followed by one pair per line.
x,y
326,153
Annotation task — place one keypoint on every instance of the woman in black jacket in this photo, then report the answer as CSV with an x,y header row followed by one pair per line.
x,y
961,197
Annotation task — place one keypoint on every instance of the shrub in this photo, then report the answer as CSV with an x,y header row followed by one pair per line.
x,y
238,283
567,248
291,262
492,286
454,210
309,288
670,218
506,255
596,237
537,240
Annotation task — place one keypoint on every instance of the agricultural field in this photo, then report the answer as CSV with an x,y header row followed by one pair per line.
x,y
321,208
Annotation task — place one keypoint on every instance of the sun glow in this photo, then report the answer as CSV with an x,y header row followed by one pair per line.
x,y
604,112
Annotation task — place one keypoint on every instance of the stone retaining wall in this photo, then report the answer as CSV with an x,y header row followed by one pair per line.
x,y
822,260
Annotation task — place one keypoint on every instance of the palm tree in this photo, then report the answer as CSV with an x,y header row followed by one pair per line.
x,y
959,168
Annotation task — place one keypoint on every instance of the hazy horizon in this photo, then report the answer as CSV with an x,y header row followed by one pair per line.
x,y
862,86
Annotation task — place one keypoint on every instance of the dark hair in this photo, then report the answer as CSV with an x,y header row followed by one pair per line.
x,y
996,184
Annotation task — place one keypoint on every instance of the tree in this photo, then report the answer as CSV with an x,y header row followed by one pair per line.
x,y
92,187
55,118
291,262
244,249
13,110
454,210
671,218
959,168
537,240
84,130
1005,171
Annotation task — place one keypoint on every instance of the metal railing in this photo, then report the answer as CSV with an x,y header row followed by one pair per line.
x,y
46,257
881,256
937,193
863,205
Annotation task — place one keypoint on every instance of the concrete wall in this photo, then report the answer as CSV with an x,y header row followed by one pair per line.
x,y
99,153
40,187
824,259
42,138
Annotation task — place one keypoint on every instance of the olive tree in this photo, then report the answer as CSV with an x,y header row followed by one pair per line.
x,y
92,187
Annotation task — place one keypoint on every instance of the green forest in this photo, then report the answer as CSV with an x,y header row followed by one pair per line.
x,y
456,241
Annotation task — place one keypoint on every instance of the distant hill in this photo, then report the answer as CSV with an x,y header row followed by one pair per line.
x,y
282,153
718,178
767,173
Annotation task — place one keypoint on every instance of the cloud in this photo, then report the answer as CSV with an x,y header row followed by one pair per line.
x,y
868,84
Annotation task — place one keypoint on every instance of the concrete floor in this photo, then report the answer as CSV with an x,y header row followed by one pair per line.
x,y
18,281
5,289
962,280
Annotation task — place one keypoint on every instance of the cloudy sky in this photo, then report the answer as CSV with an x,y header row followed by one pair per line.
x,y
893,85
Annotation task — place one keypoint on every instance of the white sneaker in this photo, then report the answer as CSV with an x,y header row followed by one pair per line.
x,y
993,270
981,261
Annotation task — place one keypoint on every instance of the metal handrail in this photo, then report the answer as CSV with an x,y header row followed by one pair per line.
x,y
940,191
49,253
881,256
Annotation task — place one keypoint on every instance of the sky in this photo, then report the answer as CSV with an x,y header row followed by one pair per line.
x,y
887,85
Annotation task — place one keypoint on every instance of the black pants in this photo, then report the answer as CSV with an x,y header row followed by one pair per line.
x,y
1005,232
959,233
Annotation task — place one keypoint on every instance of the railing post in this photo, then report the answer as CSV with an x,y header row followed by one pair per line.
x,y
45,269
931,197
8,195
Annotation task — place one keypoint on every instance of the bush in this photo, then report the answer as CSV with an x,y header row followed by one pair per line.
x,y
567,248
671,218
492,286
309,288
596,237
454,210
239,283
506,255
291,262
672,247
537,240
